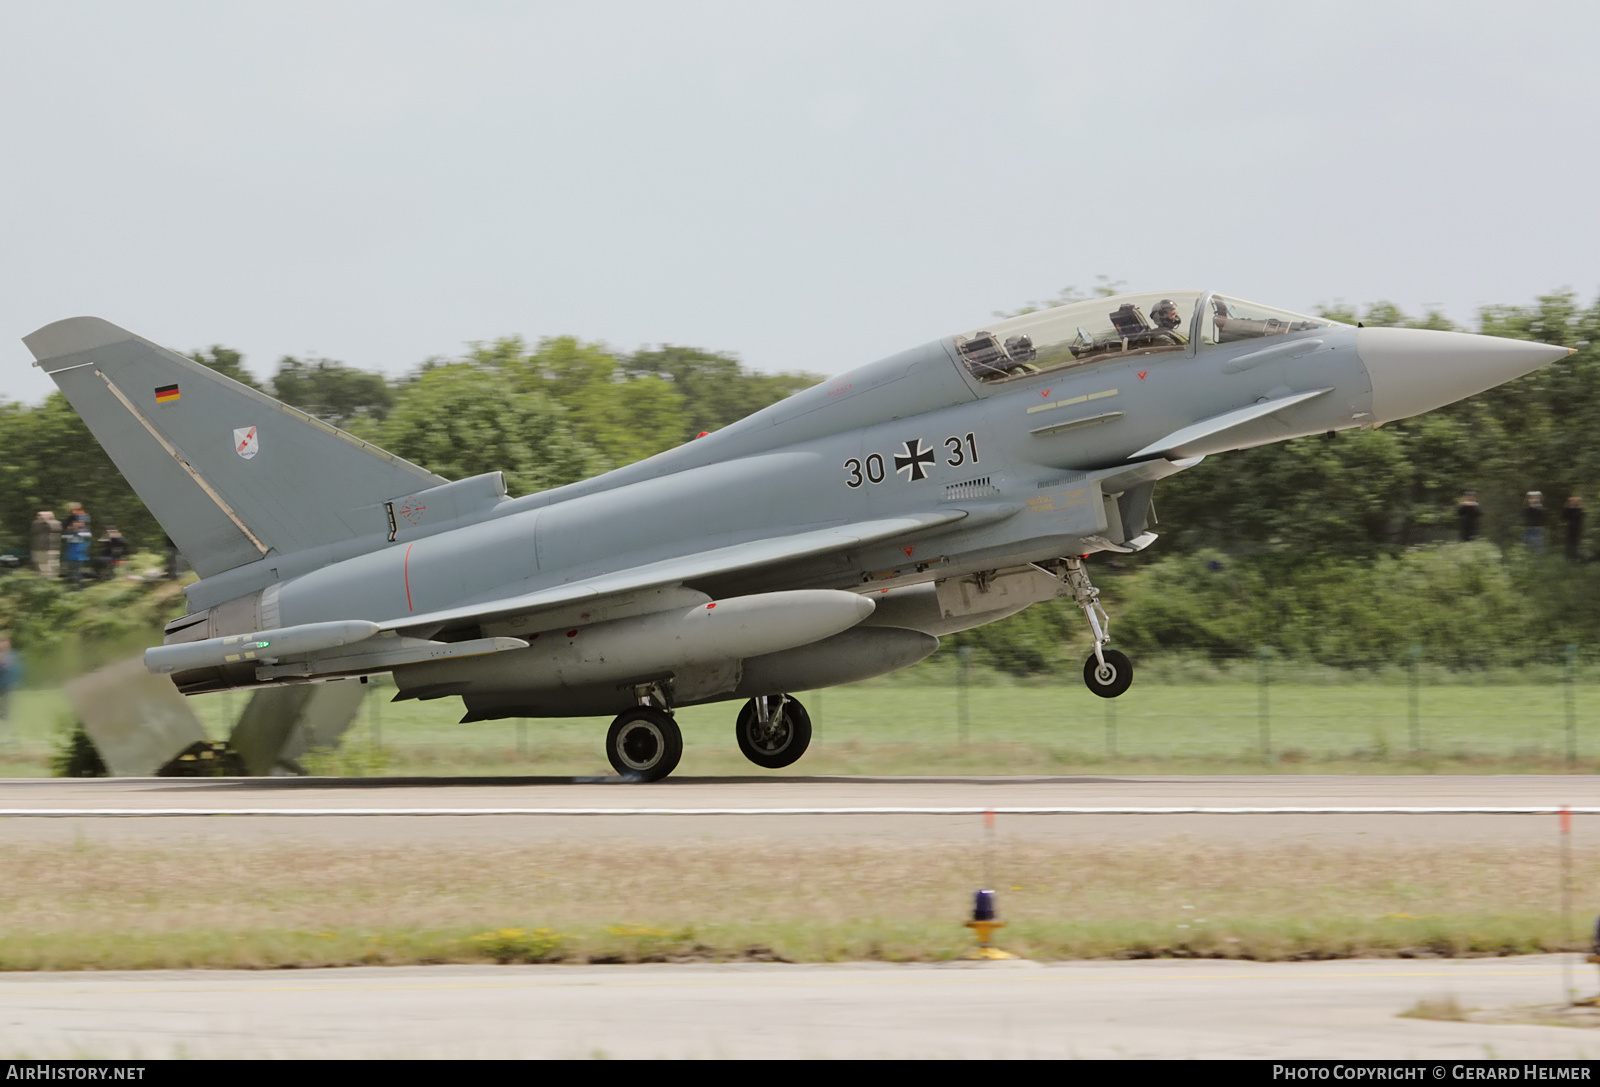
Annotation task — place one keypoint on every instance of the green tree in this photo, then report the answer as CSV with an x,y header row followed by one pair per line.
x,y
459,420
627,417
716,388
51,459
1104,287
332,391
226,361
1457,599
1303,497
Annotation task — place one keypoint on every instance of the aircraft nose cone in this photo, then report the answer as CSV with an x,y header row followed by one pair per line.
x,y
1416,369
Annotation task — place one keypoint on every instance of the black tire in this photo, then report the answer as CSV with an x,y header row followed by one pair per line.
x,y
644,743
780,745
1112,680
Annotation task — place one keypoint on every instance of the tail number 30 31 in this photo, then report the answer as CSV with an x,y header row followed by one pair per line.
x,y
912,461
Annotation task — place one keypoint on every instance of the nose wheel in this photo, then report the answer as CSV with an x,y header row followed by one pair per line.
x,y
773,730
1110,676
644,743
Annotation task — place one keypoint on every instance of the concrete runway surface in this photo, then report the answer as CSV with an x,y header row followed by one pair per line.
x,y
1155,1009
801,792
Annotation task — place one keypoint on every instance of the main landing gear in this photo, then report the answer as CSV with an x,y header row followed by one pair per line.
x,y
644,743
773,730
1107,672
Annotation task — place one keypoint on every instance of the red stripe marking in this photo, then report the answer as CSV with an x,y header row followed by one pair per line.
x,y
407,571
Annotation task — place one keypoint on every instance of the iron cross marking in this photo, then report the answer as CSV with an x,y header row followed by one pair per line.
x,y
912,460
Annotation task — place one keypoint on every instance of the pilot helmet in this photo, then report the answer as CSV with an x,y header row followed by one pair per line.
x,y
1165,314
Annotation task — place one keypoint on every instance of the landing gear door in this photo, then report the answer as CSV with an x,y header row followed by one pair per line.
x,y
999,591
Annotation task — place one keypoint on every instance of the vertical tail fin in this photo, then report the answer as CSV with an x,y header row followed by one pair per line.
x,y
230,473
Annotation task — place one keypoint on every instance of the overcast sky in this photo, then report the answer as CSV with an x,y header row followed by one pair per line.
x,y
810,186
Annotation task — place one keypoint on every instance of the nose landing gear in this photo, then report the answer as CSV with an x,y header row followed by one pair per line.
x,y
1107,672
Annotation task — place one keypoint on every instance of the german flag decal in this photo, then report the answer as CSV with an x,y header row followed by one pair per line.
x,y
166,394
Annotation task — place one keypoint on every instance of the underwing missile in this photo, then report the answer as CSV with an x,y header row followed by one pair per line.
x,y
260,645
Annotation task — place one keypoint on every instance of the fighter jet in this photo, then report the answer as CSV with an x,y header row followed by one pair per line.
x,y
829,538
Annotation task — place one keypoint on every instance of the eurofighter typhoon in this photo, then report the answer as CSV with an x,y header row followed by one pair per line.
x,y
829,538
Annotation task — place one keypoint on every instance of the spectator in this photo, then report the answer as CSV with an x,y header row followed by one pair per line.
x,y
1467,513
78,539
1533,522
113,553
44,540
1573,516
10,676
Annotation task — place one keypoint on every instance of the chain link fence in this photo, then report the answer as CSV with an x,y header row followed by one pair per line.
x,y
1542,708
1423,712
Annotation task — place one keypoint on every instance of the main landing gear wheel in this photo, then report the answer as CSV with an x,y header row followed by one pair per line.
x,y
773,730
644,743
1111,678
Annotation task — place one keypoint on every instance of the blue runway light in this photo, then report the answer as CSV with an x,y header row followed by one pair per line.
x,y
983,925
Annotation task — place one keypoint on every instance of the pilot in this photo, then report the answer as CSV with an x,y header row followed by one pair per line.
x,y
1160,334
1167,320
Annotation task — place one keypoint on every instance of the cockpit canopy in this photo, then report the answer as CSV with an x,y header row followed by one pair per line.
x,y
1118,326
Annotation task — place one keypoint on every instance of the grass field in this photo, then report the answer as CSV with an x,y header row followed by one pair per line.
x,y
1329,723
103,907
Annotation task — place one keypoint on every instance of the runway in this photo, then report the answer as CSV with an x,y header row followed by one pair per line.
x,y
1155,1009
824,795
